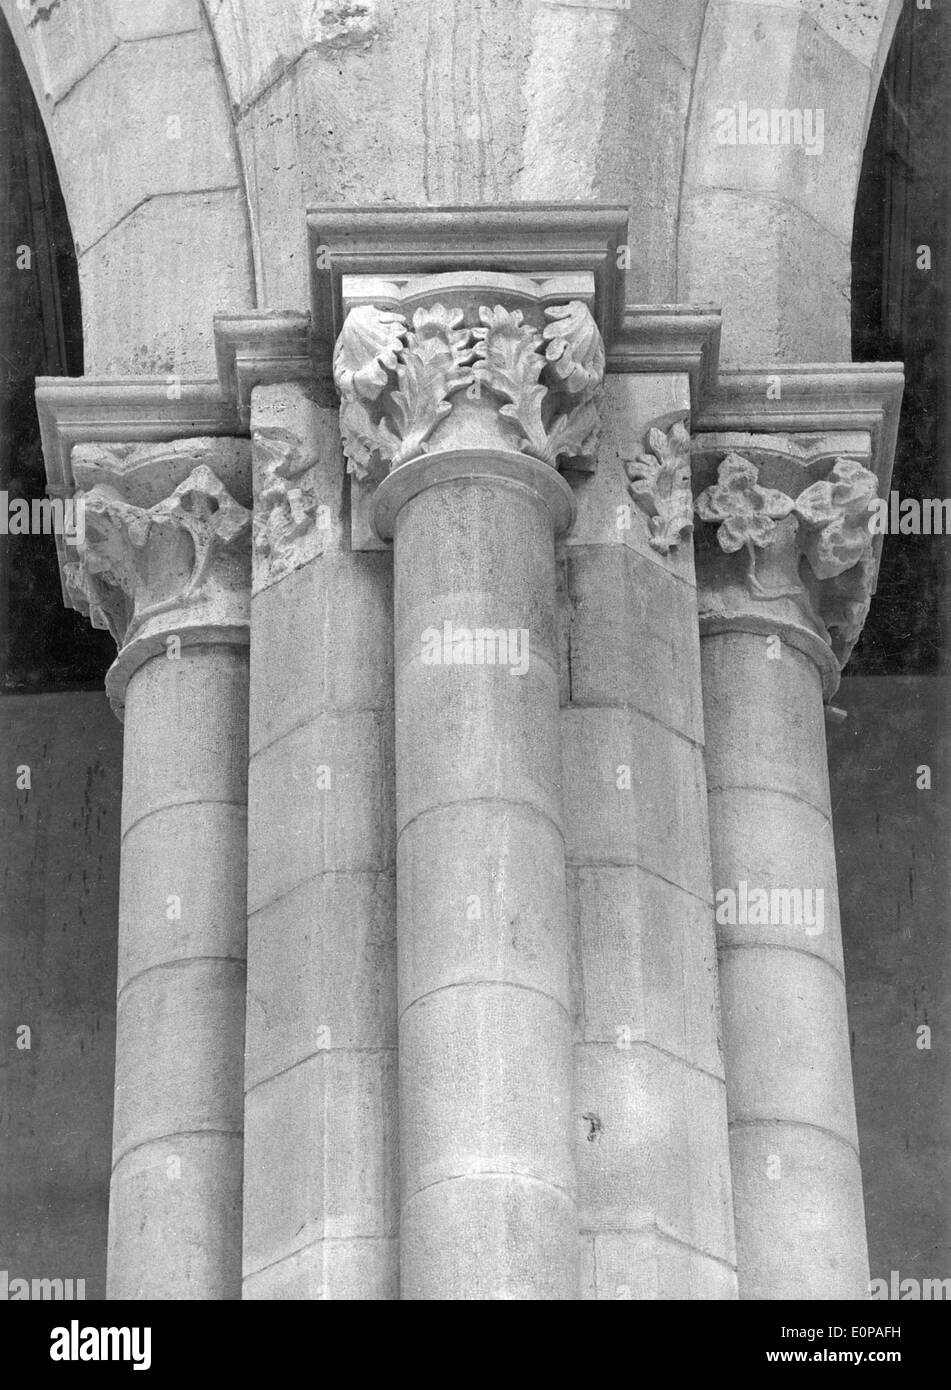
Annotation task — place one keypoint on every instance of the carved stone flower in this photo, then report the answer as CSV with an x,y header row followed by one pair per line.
x,y
747,513
834,514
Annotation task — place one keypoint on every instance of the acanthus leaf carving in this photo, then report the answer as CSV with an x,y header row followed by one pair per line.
x,y
434,364
364,358
574,350
397,381
366,350
659,482
508,363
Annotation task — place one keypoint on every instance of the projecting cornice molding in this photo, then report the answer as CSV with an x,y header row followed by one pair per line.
x,y
264,349
664,338
398,244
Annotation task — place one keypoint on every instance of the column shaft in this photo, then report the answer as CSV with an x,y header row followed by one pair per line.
x,y
800,1224
175,1208
488,1186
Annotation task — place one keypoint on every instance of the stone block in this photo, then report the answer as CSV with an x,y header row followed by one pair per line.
x,y
174,905
634,795
470,1106
186,732
497,737
179,1052
775,844
481,899
319,800
621,1266
141,124
320,1155
494,1238
177,289
800,1220
651,1147
786,1040
323,641
784,284
633,638
340,1270
321,971
773,735
648,970
175,1220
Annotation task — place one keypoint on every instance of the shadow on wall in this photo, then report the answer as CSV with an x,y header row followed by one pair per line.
x,y
891,797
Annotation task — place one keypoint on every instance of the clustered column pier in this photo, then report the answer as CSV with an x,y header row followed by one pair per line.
x,y
484,1053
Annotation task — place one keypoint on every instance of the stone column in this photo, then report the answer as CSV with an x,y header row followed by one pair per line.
x,y
656,1214
470,402
785,567
321,1147
165,565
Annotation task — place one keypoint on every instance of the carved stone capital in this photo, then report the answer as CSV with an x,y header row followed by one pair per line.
x,y
796,559
164,546
477,361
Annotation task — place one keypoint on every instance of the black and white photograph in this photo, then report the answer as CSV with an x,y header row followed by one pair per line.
x,y
475,666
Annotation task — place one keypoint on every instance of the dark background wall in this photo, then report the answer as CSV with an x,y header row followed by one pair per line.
x,y
59,874
894,854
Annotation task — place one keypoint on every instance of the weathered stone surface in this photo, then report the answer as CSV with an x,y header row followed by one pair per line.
x,y
180,1199
336,599
321,966
495,928
657,807
179,1050
360,1270
494,1239
646,1265
646,966
337,762
154,248
759,277
204,692
799,1214
129,150
338,1104
650,1148
627,627
179,903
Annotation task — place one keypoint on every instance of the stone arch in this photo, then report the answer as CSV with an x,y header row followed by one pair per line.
x,y
767,232
141,131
